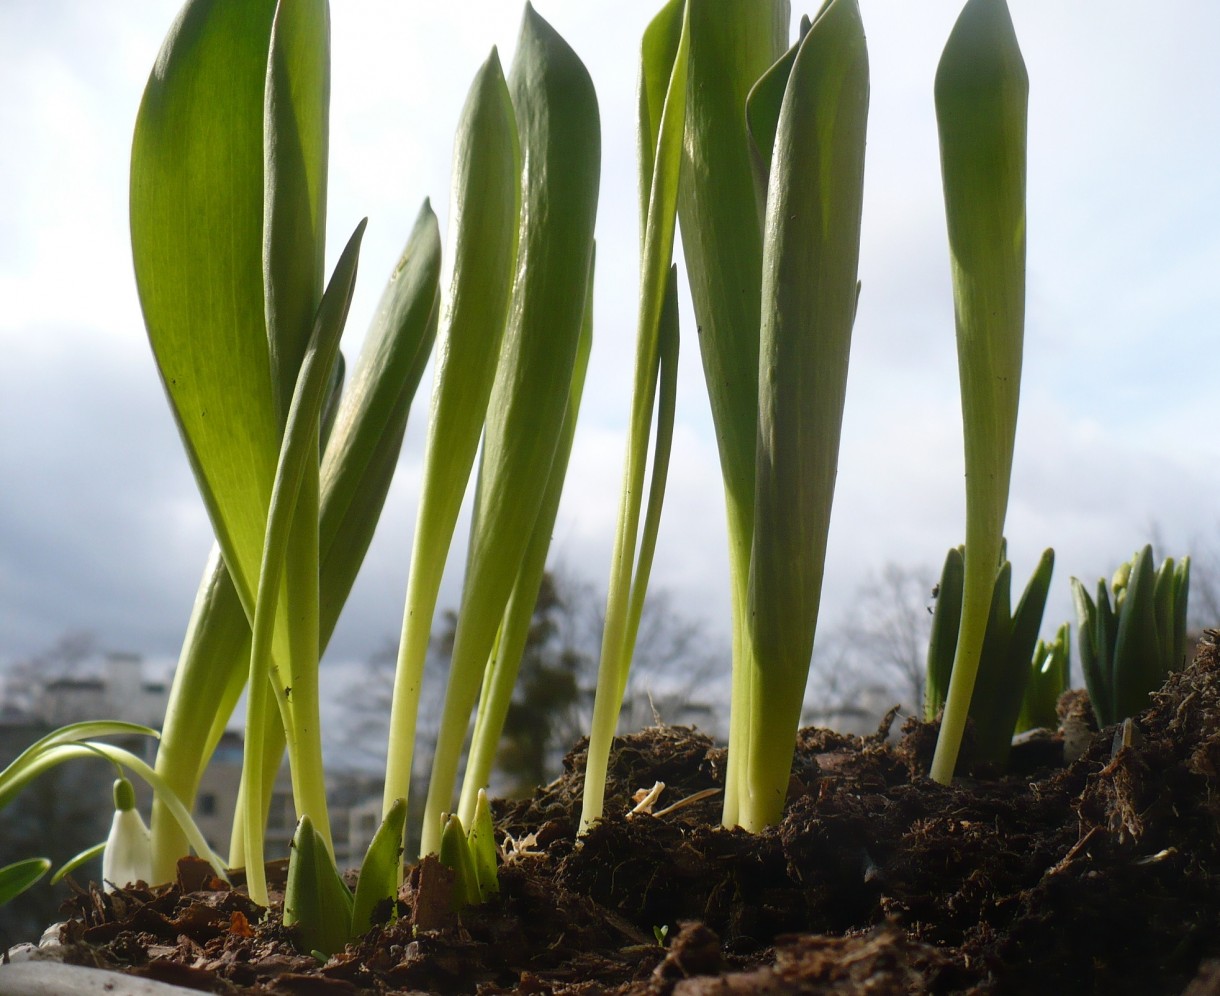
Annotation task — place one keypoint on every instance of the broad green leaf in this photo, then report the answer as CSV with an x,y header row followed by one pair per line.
x,y
197,240
732,43
811,249
21,875
981,96
381,869
295,145
558,124
485,209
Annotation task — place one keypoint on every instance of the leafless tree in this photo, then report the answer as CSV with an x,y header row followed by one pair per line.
x,y
552,707
876,654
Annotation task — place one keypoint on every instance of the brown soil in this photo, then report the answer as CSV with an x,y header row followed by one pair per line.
x,y
1102,876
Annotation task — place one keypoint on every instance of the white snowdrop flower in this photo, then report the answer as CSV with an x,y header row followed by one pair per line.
x,y
128,854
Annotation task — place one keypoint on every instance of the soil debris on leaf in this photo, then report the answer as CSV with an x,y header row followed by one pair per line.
x,y
1099,876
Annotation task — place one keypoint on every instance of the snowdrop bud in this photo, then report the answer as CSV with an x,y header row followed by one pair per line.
x,y
128,854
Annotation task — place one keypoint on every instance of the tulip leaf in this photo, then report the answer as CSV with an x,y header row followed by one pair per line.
x,y
485,211
981,97
558,125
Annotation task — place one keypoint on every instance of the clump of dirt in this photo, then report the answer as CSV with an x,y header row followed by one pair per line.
x,y
1102,875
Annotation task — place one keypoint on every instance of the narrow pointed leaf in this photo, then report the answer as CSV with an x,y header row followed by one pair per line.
x,y
663,87
811,251
557,119
482,841
20,876
454,853
298,451
296,126
1136,645
495,698
196,230
485,213
981,96
942,644
74,862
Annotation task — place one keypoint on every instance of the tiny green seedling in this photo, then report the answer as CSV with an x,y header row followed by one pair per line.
x,y
1049,677
319,904
471,856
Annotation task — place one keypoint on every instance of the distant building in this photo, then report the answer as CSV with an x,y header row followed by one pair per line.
x,y
117,689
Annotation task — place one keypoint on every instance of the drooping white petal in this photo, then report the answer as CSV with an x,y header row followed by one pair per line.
x,y
128,854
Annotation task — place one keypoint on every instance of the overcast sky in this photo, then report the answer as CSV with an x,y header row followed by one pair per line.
x,y
101,528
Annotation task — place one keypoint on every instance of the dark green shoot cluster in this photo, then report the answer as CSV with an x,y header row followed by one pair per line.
x,y
1008,648
1132,635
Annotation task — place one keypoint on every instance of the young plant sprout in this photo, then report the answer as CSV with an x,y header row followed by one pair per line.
x,y
1004,665
981,97
471,856
1129,645
1049,677
319,904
